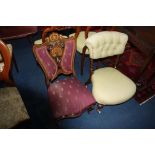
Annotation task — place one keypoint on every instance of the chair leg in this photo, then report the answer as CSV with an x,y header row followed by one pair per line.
x,y
99,107
83,59
90,108
91,72
88,81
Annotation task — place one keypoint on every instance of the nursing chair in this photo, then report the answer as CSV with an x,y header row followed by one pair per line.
x,y
68,97
109,86
12,109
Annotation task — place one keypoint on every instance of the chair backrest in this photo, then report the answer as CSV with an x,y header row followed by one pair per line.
x,y
6,60
106,43
56,55
51,29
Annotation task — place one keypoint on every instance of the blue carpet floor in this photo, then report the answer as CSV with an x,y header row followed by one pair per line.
x,y
30,82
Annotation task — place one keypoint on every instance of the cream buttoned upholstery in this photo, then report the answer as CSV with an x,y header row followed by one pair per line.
x,y
109,86
81,40
106,43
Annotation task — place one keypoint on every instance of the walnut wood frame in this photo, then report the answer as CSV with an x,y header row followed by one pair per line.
x,y
7,57
59,28
59,70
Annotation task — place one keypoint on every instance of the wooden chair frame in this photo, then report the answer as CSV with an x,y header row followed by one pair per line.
x,y
7,57
88,28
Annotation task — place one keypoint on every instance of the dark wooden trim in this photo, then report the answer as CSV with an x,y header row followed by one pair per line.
x,y
7,57
58,28
83,59
117,61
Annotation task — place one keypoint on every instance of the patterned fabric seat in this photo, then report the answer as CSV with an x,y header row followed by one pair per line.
x,y
69,98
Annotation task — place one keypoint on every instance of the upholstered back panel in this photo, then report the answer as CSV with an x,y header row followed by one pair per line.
x,y
106,43
47,63
68,56
55,60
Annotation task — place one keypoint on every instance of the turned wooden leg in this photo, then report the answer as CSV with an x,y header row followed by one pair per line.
x,y
90,108
83,59
99,107
91,71
88,81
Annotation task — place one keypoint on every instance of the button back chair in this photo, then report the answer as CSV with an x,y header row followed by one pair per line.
x,y
109,86
67,97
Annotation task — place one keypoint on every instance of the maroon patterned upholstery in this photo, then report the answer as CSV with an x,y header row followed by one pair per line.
x,y
68,56
47,63
69,98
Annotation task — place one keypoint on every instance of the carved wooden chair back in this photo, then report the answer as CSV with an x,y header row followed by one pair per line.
x,y
58,29
56,55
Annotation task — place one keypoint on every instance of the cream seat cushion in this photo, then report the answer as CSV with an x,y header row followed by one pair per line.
x,y
81,40
1,59
111,87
